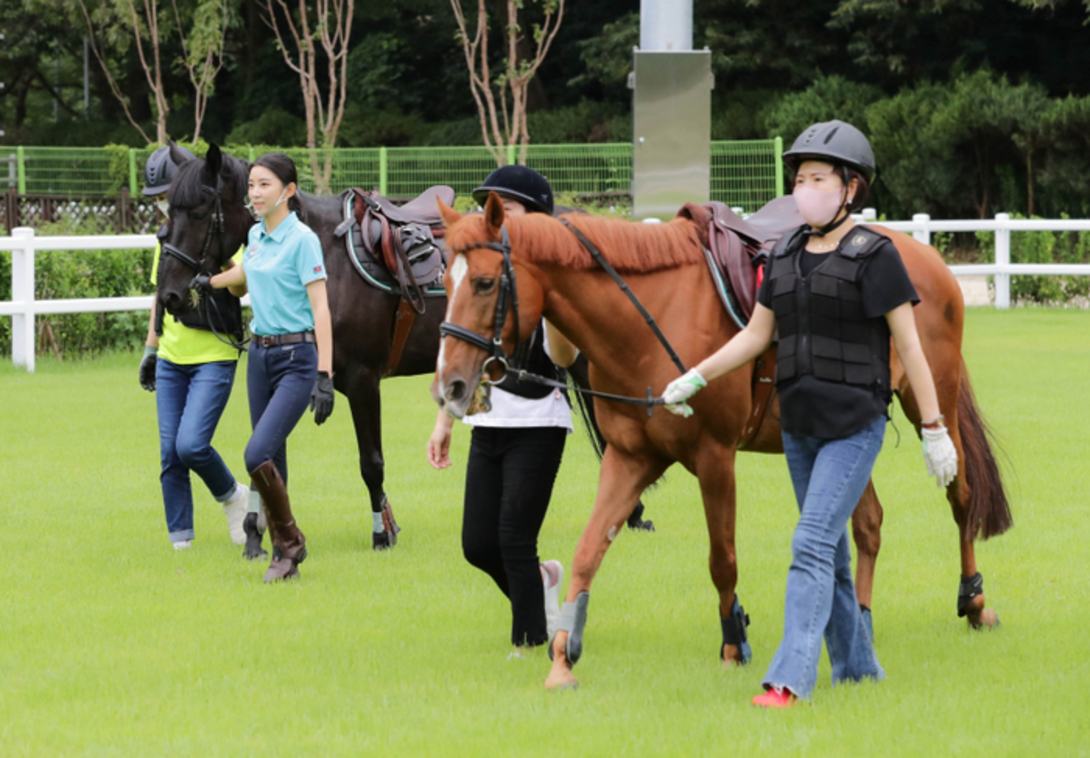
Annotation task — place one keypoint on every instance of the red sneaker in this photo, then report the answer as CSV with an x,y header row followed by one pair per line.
x,y
775,698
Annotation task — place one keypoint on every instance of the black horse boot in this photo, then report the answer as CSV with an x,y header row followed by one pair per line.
x,y
289,544
387,538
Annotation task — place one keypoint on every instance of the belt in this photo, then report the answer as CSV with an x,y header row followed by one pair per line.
x,y
275,340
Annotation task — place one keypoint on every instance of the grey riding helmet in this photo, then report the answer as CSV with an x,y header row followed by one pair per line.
x,y
160,170
518,183
836,142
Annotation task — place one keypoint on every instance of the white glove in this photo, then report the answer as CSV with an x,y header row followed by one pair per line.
x,y
940,455
680,390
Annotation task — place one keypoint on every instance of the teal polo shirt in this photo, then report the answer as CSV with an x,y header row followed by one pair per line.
x,y
278,267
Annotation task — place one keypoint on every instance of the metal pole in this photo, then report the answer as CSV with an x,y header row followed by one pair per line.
x,y
22,294
383,171
666,25
1002,258
132,171
779,166
20,169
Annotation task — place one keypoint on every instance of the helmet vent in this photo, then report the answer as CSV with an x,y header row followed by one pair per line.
x,y
831,134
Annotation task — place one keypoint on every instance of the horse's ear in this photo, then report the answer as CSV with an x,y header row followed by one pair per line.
x,y
449,215
177,155
213,162
493,213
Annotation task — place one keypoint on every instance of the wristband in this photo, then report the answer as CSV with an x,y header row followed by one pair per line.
x,y
149,350
936,424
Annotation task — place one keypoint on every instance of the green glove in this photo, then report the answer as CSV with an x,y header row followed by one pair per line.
x,y
680,390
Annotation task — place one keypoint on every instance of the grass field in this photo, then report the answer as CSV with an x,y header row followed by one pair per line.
x,y
113,644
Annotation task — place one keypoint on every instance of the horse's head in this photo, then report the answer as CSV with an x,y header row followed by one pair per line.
x,y
494,304
208,222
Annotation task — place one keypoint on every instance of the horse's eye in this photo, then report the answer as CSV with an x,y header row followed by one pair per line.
x,y
198,214
483,285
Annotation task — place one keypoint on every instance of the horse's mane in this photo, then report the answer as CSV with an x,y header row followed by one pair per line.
x,y
629,247
185,190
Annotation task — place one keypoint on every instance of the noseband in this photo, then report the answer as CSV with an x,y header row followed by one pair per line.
x,y
216,226
508,294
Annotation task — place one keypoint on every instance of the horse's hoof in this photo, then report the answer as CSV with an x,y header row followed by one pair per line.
x,y
561,679
387,538
986,619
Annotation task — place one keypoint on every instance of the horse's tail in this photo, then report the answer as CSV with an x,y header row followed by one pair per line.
x,y
989,512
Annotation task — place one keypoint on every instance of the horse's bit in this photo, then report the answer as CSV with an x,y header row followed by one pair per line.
x,y
509,291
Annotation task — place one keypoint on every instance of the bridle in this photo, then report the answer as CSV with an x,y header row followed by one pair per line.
x,y
216,226
508,291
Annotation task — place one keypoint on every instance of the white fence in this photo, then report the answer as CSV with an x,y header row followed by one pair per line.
x,y
23,244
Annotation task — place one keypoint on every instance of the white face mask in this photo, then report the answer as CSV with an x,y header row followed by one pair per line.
x,y
163,206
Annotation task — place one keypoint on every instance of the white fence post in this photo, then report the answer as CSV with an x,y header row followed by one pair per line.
x,y
924,233
1002,259
23,344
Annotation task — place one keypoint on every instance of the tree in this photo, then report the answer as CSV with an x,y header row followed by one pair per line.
x,y
329,22
203,56
509,88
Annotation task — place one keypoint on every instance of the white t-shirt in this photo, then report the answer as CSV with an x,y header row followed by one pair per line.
x,y
514,411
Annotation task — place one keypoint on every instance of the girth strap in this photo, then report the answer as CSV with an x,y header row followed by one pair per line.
x,y
403,324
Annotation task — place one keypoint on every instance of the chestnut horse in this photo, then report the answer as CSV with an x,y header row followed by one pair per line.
x,y
555,277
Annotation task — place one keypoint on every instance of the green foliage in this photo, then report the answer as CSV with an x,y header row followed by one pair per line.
x,y
827,98
274,126
364,127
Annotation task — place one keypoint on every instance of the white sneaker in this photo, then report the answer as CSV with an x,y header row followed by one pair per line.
x,y
553,579
182,544
235,511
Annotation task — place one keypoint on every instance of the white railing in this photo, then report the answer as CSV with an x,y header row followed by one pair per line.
x,y
921,226
23,244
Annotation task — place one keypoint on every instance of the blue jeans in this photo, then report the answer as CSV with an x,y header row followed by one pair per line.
x,y
829,477
279,381
190,400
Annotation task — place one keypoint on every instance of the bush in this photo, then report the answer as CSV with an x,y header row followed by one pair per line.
x,y
274,126
1043,247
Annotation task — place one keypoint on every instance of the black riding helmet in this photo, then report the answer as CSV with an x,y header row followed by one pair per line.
x,y
518,183
161,169
835,142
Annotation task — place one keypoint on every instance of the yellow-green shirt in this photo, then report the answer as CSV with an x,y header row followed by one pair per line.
x,y
185,346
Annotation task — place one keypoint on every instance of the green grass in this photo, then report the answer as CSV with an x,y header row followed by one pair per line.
x,y
113,644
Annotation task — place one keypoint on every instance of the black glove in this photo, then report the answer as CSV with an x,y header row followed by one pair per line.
x,y
321,397
147,368
202,284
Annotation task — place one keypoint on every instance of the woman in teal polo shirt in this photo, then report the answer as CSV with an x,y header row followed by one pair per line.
x,y
291,353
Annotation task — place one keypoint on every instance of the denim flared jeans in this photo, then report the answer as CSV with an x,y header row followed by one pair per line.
x,y
190,399
829,477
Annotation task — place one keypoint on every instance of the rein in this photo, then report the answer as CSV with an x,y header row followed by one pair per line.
x,y
509,290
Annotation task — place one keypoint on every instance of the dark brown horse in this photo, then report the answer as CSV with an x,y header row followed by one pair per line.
x,y
363,316
664,266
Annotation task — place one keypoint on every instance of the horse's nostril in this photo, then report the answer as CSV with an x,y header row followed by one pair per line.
x,y
455,391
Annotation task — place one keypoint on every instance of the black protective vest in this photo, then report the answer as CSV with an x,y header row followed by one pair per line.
x,y
822,328
220,312
537,362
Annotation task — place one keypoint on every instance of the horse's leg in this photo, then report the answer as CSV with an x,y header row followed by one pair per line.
x,y
621,480
867,532
580,375
362,388
953,401
714,467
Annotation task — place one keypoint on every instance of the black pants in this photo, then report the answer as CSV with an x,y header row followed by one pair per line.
x,y
509,479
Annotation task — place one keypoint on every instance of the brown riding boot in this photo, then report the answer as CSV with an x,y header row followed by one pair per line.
x,y
289,544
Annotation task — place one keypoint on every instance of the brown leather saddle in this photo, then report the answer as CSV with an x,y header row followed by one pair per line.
x,y
399,250
736,251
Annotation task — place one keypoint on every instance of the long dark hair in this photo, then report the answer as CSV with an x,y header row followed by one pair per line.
x,y
284,169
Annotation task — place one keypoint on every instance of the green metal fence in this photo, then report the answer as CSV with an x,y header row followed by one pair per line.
x,y
746,174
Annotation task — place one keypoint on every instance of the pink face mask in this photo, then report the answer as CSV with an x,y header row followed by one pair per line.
x,y
818,207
